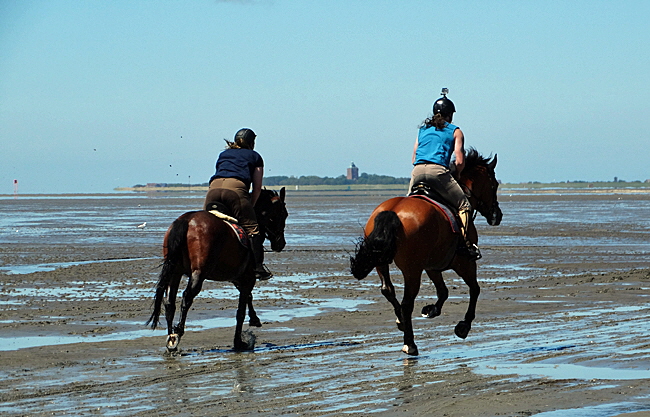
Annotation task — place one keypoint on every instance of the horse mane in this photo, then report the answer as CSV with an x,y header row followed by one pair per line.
x,y
474,159
265,200
266,196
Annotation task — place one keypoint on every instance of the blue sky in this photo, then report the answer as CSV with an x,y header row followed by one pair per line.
x,y
95,95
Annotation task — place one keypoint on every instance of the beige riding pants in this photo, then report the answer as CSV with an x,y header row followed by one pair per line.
x,y
440,179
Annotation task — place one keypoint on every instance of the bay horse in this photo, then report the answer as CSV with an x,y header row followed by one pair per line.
x,y
418,236
202,247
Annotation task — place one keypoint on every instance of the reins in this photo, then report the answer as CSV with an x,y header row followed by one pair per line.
x,y
480,204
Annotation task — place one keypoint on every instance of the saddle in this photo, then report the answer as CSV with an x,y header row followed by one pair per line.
x,y
422,191
223,212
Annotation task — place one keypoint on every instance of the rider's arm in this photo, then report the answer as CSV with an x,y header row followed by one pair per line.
x,y
415,148
459,150
258,174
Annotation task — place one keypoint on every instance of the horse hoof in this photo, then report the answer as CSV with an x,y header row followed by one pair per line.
x,y
243,346
400,326
410,350
430,311
172,342
255,322
462,329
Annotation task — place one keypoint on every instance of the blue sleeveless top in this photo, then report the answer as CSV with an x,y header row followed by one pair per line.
x,y
435,146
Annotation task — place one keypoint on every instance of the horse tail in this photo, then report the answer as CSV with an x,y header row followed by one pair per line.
x,y
176,240
379,247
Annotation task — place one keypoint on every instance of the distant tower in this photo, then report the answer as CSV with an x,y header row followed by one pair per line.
x,y
353,172
15,188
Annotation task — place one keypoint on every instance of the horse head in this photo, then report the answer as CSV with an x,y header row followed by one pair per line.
x,y
272,214
480,183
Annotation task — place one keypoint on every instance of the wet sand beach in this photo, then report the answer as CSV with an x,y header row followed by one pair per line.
x,y
561,329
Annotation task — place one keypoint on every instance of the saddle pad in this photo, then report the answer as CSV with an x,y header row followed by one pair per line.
x,y
451,216
232,222
241,234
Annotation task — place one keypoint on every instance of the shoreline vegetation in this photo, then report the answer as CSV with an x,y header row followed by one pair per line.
x,y
527,188
574,186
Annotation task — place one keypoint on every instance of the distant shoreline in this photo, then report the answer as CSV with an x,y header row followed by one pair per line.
x,y
371,189
589,187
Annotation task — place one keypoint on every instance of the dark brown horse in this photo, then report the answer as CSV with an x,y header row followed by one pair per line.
x,y
417,236
204,247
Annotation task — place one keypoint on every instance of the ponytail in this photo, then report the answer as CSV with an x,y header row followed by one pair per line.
x,y
239,143
436,121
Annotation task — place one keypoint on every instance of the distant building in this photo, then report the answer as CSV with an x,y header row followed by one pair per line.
x,y
353,172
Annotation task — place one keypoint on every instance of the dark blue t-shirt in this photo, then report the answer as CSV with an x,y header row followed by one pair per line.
x,y
238,163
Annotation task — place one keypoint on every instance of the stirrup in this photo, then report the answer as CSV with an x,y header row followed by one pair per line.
x,y
262,273
470,250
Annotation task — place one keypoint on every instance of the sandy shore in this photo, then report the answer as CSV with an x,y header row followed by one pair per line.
x,y
573,336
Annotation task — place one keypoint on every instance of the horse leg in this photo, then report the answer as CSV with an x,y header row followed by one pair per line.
x,y
170,310
388,290
253,320
244,298
411,289
468,273
434,310
194,285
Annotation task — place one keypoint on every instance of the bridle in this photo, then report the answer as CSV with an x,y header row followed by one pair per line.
x,y
476,208
480,206
273,235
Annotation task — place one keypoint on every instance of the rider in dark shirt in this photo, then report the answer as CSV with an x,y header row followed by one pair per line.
x,y
238,168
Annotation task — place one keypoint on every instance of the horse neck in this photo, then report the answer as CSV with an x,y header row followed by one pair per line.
x,y
467,180
464,180
264,200
263,205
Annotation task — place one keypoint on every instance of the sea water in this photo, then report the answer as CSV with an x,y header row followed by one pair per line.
x,y
608,223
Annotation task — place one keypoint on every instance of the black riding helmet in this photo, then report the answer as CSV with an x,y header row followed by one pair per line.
x,y
443,105
245,138
247,135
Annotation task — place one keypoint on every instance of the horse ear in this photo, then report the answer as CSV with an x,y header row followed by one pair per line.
x,y
283,193
493,162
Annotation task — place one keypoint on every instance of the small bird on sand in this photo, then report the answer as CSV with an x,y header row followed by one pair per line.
x,y
142,226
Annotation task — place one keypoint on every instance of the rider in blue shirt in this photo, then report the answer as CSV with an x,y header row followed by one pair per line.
x,y
438,139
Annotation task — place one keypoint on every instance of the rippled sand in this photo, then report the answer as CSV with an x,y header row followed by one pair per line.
x,y
557,328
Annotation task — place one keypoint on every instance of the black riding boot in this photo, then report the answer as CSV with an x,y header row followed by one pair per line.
x,y
261,271
472,251
469,249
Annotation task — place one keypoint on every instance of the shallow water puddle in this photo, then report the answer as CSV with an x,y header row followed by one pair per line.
x,y
125,290
598,410
562,371
326,375
47,267
77,290
270,347
278,315
283,314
